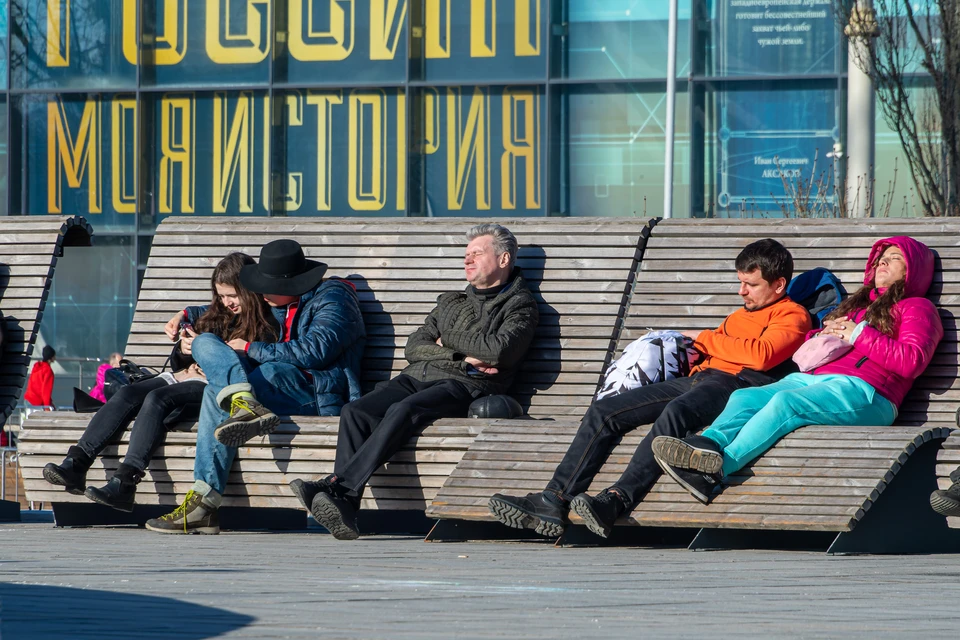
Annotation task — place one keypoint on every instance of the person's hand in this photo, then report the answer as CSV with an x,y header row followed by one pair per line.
x,y
841,328
172,328
238,345
440,341
481,366
193,372
186,341
693,334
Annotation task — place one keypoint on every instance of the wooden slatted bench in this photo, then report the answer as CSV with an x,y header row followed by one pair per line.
x,y
582,270
818,479
29,249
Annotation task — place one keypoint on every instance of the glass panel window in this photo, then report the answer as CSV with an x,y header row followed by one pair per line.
x,y
779,37
340,152
82,157
208,154
85,44
4,34
612,145
89,311
763,142
484,40
210,43
342,41
621,39
482,151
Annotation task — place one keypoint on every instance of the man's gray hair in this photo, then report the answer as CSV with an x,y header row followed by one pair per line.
x,y
503,240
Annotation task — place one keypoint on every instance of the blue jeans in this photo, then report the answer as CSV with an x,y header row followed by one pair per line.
x,y
281,387
755,418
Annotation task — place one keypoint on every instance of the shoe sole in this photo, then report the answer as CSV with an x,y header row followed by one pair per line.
x,y
236,434
517,518
944,505
328,516
95,496
56,479
670,472
680,454
210,531
297,487
583,509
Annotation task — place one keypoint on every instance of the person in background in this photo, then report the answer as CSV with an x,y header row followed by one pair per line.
x,y
112,363
40,386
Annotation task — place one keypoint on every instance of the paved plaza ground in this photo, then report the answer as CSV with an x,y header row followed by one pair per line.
x,y
130,583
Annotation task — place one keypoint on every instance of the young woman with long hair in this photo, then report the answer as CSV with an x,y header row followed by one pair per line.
x,y
889,331
161,402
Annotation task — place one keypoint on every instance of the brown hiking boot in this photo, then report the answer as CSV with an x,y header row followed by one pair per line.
x,y
193,516
248,419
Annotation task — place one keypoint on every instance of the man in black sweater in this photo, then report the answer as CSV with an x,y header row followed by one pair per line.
x,y
470,345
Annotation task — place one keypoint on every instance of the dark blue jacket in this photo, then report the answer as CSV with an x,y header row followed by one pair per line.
x,y
327,340
819,291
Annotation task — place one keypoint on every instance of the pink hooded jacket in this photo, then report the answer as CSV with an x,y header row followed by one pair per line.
x,y
97,391
891,364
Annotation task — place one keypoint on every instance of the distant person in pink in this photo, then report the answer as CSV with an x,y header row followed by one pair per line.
x,y
112,362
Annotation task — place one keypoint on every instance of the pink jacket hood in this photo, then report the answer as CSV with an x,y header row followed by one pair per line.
x,y
890,364
917,256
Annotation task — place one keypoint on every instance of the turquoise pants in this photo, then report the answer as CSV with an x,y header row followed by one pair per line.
x,y
756,417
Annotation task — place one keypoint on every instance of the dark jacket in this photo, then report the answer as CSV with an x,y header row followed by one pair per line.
x,y
497,331
326,341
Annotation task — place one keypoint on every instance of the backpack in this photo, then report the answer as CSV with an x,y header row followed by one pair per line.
x,y
657,356
818,291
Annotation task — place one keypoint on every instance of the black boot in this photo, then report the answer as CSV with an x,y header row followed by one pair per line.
x,y
71,473
121,491
600,512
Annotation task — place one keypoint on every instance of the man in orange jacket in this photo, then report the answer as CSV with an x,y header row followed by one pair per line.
x,y
40,386
741,352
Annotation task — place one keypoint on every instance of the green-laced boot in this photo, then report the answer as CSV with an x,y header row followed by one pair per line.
x,y
193,516
248,419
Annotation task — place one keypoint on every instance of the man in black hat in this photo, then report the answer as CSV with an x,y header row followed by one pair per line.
x,y
471,345
314,369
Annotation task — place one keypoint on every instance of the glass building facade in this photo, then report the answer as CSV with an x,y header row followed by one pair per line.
x,y
129,111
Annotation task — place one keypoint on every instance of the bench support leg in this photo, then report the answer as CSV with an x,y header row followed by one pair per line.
x,y
9,511
728,539
901,521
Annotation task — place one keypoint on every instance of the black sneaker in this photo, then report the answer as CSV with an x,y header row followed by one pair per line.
x,y
306,490
946,502
336,513
700,485
541,511
121,491
696,453
70,474
248,419
193,516
955,475
600,512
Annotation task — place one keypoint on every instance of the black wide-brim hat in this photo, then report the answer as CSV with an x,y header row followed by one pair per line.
x,y
282,270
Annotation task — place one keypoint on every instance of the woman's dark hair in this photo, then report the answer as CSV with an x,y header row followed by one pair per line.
x,y
772,258
879,312
254,320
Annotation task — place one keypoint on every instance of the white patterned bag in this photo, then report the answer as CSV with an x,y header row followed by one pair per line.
x,y
657,356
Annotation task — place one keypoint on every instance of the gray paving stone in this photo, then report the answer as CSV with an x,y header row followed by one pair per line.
x,y
130,583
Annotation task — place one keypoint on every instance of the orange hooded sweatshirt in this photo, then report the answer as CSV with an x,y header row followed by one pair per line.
x,y
758,340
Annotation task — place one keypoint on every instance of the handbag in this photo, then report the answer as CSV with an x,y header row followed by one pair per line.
x,y
819,350
128,372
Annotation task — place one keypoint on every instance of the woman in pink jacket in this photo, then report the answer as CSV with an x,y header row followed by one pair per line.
x,y
112,363
893,331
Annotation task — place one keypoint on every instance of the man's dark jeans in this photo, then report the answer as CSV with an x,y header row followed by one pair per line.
x,y
676,407
151,401
374,427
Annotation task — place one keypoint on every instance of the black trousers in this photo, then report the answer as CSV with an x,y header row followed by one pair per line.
x,y
374,427
151,401
676,407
